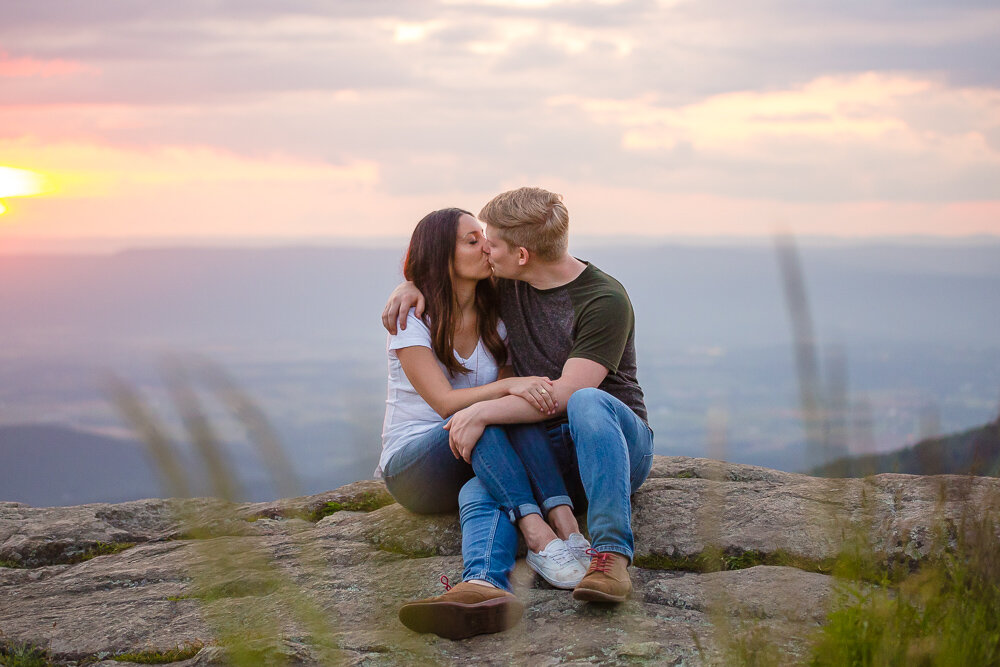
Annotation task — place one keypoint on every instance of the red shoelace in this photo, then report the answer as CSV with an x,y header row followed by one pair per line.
x,y
444,580
599,561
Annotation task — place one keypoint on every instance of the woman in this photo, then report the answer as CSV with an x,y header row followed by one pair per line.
x,y
455,356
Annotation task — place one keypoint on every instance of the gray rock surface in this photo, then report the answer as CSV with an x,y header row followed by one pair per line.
x,y
203,572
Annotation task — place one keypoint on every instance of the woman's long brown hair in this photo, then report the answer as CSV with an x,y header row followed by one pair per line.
x,y
428,263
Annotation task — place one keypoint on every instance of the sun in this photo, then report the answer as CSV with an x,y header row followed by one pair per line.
x,y
21,183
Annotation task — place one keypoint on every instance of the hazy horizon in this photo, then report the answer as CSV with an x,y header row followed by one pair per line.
x,y
13,245
906,338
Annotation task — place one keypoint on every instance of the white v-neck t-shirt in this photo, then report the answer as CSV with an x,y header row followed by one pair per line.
x,y
407,415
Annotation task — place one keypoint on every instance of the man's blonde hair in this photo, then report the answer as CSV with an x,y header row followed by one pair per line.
x,y
531,218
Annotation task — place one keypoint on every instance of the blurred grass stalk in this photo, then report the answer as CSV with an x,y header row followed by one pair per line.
x,y
248,600
942,610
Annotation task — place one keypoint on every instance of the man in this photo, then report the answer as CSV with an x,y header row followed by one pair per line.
x,y
565,319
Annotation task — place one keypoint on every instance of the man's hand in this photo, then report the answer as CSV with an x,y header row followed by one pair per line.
x,y
464,431
405,296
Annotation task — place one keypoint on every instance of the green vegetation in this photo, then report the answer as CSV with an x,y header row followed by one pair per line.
x,y
17,654
254,585
177,654
409,553
747,644
945,612
366,502
715,560
102,549
241,590
99,549
325,510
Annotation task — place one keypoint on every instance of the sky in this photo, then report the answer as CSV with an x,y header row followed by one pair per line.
x,y
273,120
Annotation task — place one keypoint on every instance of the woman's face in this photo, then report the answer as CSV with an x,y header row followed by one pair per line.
x,y
471,261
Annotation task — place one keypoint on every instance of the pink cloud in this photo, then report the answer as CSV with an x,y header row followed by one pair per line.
x,y
29,67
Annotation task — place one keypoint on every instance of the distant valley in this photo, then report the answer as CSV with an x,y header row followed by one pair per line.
x,y
907,347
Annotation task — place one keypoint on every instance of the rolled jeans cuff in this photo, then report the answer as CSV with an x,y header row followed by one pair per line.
x,y
523,510
602,548
555,501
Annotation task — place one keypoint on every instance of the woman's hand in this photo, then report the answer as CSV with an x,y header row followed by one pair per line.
x,y
465,428
535,390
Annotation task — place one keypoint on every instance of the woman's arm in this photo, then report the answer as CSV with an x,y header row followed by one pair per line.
x,y
424,373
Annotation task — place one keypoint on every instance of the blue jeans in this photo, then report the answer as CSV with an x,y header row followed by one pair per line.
x,y
425,477
604,454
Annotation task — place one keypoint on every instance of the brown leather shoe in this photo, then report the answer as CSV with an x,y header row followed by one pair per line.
x,y
465,610
607,579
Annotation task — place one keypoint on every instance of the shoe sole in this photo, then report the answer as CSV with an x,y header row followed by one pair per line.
x,y
591,595
455,620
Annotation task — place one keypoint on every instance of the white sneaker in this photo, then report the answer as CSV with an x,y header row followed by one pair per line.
x,y
557,565
578,546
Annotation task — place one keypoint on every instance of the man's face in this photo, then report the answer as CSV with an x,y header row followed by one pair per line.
x,y
503,258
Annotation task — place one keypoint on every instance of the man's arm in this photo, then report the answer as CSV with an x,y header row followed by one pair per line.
x,y
466,426
405,296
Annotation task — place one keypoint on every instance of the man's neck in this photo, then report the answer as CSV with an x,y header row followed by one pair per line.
x,y
548,275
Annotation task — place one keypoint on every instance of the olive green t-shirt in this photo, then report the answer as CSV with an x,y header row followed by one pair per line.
x,y
589,318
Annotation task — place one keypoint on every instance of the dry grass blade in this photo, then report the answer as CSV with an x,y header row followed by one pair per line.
x,y
141,420
249,599
806,361
257,426
199,429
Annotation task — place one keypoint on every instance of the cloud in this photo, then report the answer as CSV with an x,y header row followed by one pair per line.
x,y
85,171
776,101
597,208
869,136
30,67
179,53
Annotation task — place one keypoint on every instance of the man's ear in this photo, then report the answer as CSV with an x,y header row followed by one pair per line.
x,y
523,255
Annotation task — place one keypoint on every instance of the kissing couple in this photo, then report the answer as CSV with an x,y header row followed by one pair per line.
x,y
512,396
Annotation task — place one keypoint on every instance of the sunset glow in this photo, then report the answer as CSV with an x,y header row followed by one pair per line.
x,y
669,118
21,183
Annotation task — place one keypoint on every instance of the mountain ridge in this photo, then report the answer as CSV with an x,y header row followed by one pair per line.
x,y
974,451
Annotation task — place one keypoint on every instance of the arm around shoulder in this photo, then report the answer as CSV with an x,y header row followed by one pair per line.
x,y
403,298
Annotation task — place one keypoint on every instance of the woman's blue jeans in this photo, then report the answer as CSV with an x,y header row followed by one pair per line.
x,y
425,477
604,453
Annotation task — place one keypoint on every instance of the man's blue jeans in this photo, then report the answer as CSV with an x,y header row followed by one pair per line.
x,y
425,477
604,454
